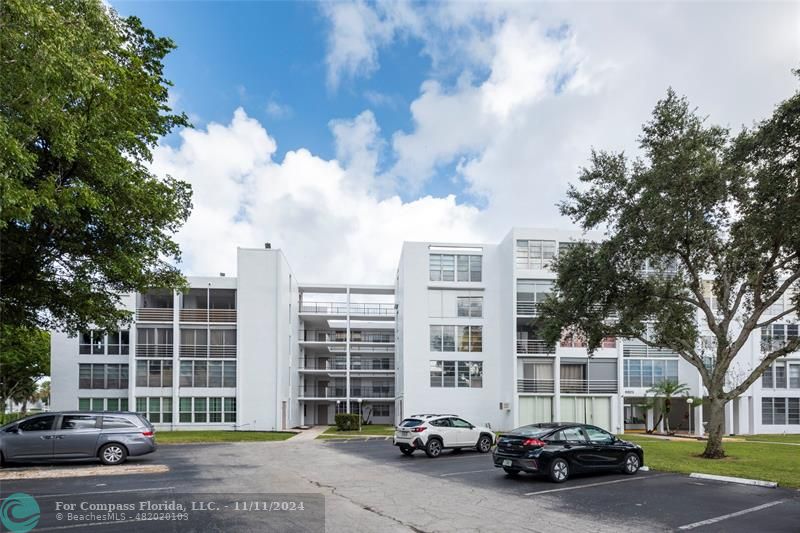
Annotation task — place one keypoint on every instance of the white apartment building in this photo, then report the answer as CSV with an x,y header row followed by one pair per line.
x,y
455,333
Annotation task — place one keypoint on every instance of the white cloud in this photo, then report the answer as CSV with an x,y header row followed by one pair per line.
x,y
278,110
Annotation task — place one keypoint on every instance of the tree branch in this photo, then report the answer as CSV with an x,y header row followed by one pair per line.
x,y
789,347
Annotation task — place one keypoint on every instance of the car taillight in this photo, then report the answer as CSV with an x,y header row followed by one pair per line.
x,y
147,433
533,442
419,429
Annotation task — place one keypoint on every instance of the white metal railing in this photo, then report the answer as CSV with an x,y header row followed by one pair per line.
x,y
588,386
372,309
203,350
324,308
576,342
535,385
369,349
154,350
321,392
323,364
156,314
340,308
357,336
372,364
642,350
527,308
208,315
534,347
372,392
310,335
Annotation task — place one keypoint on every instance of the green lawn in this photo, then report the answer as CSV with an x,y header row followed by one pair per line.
x,y
767,462
772,438
382,430
183,437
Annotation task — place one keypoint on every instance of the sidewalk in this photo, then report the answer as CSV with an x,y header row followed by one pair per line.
x,y
309,434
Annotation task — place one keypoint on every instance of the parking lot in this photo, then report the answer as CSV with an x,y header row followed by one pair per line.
x,y
672,500
370,486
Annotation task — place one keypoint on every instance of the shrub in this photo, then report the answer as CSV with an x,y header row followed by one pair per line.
x,y
347,422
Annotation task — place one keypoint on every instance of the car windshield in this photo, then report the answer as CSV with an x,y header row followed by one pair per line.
x,y
410,423
531,431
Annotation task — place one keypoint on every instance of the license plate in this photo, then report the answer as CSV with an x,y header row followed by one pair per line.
x,y
404,431
506,462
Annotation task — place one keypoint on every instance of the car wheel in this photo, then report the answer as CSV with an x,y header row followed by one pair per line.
x,y
559,470
484,444
113,454
433,448
631,464
407,450
511,472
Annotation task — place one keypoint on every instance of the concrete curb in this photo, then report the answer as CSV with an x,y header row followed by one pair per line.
x,y
740,480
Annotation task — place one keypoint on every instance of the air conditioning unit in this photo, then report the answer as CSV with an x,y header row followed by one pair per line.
x,y
505,406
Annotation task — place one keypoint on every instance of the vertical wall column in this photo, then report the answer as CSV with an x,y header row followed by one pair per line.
x,y
556,387
176,354
347,353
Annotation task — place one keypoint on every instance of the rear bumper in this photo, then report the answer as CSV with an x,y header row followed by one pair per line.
x,y
517,463
413,442
141,448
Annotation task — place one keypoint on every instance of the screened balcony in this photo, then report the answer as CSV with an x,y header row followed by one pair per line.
x,y
155,305
208,305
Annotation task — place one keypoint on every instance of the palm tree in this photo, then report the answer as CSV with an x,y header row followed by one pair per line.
x,y
663,394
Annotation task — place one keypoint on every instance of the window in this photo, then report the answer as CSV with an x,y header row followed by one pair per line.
x,y
92,342
156,409
119,342
768,378
780,411
531,293
470,306
79,422
573,435
40,423
207,410
649,372
794,376
443,338
535,254
380,409
223,343
441,423
446,267
462,374
459,423
117,422
102,376
154,342
598,436
208,374
102,404
153,373
470,338
775,336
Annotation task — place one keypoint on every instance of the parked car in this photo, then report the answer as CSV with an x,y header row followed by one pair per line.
x,y
434,433
560,450
109,436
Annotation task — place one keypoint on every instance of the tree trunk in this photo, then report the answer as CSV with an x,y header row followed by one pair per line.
x,y
716,427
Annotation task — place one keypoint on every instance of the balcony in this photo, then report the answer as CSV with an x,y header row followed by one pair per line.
x,y
363,336
154,314
324,308
366,309
323,364
588,386
341,308
527,308
201,350
321,392
641,350
372,392
310,335
154,350
536,385
534,347
369,349
208,315
373,364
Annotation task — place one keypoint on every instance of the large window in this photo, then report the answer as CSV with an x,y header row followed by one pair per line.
x,y
201,410
447,267
780,411
91,342
119,342
781,375
102,376
102,404
462,374
156,409
443,338
649,372
535,254
208,373
775,336
154,342
530,293
153,373
470,306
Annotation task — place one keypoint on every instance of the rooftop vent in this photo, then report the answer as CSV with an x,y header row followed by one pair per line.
x,y
222,274
267,245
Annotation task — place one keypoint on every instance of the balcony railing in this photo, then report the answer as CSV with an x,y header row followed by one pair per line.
x,y
608,342
208,315
535,385
360,336
369,349
194,350
154,350
322,392
588,386
372,309
154,314
641,350
341,308
372,364
323,364
372,392
770,345
324,336
534,347
527,308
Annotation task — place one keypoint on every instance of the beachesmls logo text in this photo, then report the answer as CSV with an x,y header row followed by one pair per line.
x,y
19,512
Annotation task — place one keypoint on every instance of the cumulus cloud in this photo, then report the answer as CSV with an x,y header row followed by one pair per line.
x,y
278,110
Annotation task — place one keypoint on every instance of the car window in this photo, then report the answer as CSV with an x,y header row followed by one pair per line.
x,y
78,422
598,436
441,423
410,423
558,436
117,422
459,423
531,431
573,435
41,423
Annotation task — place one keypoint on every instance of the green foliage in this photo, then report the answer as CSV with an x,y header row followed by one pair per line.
x,y
24,358
7,418
82,102
347,421
717,219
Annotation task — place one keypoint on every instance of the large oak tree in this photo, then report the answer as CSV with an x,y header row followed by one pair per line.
x,y
715,217
83,100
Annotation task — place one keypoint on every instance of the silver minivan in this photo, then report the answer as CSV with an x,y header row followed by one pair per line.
x,y
108,436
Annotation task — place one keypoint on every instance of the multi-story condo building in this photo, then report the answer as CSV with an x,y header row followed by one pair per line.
x,y
455,333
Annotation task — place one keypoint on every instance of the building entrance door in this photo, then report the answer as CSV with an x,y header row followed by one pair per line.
x,y
322,415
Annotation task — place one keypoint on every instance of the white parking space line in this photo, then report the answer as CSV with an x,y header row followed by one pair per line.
x,y
588,485
731,515
89,471
147,489
467,472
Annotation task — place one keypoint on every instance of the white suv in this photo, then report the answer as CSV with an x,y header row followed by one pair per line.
x,y
434,433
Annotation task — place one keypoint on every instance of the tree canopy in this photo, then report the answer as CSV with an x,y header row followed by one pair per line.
x,y
702,245
83,100
24,359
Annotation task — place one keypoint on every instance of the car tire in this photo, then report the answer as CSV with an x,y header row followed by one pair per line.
x,y
433,448
113,454
511,472
559,470
484,444
407,450
631,464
